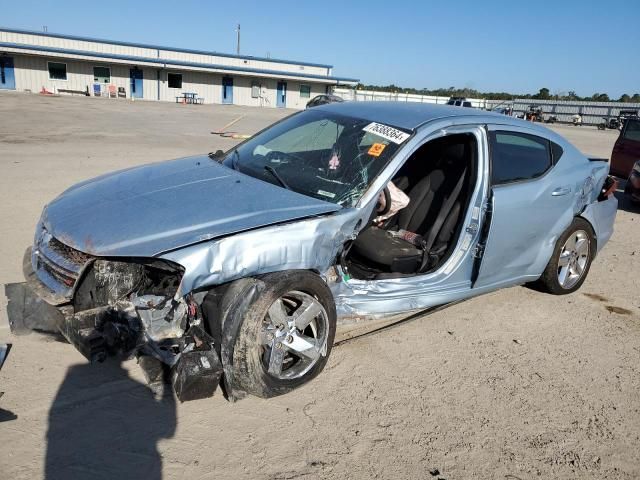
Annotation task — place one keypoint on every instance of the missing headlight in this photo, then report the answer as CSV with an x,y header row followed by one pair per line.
x,y
110,281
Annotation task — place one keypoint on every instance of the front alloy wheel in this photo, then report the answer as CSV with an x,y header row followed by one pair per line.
x,y
294,335
288,322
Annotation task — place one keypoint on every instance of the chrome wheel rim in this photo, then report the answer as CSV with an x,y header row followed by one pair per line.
x,y
573,259
294,335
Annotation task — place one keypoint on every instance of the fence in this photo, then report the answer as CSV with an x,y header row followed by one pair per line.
x,y
372,95
592,112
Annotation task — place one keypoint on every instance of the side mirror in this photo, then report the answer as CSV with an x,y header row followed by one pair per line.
x,y
217,155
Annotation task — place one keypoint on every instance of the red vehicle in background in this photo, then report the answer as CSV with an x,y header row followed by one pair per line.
x,y
626,151
632,189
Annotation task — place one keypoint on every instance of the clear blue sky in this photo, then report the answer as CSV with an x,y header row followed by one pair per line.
x,y
518,46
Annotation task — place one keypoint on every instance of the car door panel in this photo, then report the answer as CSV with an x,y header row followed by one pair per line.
x,y
527,216
524,225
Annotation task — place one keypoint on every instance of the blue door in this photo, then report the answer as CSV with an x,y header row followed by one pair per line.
x,y
281,95
7,79
136,82
227,90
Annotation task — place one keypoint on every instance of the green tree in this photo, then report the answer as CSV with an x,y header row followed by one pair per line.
x,y
543,94
636,98
624,98
600,97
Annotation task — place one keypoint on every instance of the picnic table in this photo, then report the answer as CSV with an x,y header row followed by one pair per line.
x,y
189,98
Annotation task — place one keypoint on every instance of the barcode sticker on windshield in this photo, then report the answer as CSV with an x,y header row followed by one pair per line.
x,y
392,134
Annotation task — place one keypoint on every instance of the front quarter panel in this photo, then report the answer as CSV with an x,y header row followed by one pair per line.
x,y
309,244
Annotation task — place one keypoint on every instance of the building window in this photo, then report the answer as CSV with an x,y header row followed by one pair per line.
x,y
57,71
255,89
174,80
305,91
101,74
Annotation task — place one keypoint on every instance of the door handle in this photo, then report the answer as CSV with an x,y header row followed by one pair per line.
x,y
561,191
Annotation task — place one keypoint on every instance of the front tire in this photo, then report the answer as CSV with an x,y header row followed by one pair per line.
x,y
286,334
569,265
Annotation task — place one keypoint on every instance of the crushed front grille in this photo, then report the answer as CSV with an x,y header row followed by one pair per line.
x,y
71,254
57,265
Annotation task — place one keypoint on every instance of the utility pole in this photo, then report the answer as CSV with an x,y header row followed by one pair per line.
x,y
238,44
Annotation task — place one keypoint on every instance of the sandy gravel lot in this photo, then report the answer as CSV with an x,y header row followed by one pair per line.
x,y
512,385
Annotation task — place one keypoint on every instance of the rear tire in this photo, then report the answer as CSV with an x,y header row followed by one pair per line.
x,y
571,259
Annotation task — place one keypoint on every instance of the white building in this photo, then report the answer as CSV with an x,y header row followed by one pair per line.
x,y
33,61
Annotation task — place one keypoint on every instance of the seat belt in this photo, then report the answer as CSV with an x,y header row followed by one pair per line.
x,y
437,224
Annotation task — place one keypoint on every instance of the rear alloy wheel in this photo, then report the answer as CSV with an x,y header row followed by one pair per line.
x,y
286,334
571,259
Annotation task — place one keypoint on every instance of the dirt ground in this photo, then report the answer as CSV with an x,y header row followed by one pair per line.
x,y
512,385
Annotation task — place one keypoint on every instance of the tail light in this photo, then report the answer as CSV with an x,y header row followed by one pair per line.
x,y
609,188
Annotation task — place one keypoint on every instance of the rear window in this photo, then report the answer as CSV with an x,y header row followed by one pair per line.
x,y
518,156
632,130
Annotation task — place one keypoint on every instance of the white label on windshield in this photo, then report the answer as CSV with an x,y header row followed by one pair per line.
x,y
384,131
326,194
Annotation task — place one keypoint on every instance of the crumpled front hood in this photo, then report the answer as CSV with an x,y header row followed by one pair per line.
x,y
150,209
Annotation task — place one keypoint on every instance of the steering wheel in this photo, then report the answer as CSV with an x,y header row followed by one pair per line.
x,y
387,201
277,155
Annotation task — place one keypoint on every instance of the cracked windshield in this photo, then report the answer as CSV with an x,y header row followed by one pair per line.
x,y
326,156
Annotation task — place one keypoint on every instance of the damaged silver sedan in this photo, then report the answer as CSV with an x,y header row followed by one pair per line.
x,y
236,268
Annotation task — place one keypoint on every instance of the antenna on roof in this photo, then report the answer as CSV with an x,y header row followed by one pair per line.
x,y
238,44
45,28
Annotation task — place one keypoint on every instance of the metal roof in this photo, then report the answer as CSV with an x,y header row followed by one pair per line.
x,y
175,63
159,47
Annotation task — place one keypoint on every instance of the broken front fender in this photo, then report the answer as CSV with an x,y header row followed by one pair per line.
x,y
311,244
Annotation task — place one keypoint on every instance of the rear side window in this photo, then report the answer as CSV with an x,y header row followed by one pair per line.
x,y
556,152
632,130
518,156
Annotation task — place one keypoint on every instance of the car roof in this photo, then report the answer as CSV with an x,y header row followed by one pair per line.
x,y
411,115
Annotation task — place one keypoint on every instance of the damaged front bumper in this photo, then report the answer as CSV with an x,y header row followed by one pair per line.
x,y
126,309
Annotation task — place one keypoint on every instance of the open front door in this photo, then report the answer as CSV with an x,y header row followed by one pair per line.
x,y
525,205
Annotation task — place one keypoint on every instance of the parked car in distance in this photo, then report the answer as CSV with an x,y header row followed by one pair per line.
x,y
626,151
503,110
241,266
459,102
324,100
